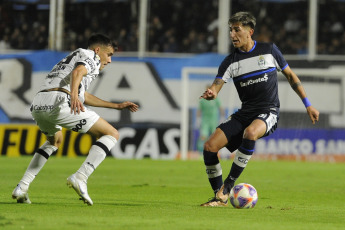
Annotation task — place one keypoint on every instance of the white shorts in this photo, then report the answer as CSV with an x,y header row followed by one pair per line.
x,y
52,111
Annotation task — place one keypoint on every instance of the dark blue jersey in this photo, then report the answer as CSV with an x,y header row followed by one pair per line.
x,y
254,74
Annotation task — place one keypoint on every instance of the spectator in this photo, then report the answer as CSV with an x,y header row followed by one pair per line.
x,y
195,26
292,24
4,43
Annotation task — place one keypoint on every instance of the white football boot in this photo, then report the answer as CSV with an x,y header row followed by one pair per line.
x,y
21,195
80,187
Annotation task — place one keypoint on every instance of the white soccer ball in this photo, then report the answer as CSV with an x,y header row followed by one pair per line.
x,y
243,195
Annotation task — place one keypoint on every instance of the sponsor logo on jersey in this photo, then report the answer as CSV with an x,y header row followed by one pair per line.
x,y
91,64
251,82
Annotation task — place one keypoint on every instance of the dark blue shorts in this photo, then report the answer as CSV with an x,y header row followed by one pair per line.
x,y
235,125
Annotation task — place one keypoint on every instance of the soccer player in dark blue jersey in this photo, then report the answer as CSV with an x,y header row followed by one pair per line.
x,y
253,68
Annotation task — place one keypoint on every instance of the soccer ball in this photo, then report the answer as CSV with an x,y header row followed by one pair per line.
x,y
243,196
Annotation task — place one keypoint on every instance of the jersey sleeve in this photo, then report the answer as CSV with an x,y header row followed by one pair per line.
x,y
91,62
223,70
282,63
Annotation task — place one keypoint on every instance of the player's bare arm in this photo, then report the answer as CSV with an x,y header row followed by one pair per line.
x,y
296,85
213,91
294,82
92,100
77,75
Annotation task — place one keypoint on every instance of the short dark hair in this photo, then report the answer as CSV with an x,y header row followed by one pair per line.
x,y
101,39
246,18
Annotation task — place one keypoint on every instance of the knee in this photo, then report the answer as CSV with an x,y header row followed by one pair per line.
x,y
114,133
250,134
111,132
210,147
58,143
55,140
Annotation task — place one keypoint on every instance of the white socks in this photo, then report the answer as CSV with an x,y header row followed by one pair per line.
x,y
97,154
38,161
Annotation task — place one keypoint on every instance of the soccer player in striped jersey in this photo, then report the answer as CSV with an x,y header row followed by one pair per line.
x,y
253,68
61,103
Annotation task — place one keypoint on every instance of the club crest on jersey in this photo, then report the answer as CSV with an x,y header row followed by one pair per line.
x,y
261,62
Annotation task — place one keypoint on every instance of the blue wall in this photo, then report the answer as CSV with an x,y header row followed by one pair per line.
x,y
167,68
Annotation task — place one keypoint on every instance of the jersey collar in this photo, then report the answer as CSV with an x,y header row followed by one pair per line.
x,y
250,49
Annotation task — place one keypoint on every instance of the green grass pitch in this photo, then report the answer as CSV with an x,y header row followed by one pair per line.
x,y
152,194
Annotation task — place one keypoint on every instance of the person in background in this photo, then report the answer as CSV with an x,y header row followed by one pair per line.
x,y
208,115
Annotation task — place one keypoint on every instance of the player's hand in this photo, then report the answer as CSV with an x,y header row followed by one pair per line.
x,y
129,105
208,95
313,114
76,105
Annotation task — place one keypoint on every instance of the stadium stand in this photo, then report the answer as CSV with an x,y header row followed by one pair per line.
x,y
172,27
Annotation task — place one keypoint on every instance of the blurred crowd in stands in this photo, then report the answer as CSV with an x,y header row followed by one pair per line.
x,y
179,26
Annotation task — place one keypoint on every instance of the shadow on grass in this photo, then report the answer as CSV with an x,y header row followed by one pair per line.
x,y
15,203
120,204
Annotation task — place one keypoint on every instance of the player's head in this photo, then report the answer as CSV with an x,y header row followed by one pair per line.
x,y
103,47
245,18
242,26
101,40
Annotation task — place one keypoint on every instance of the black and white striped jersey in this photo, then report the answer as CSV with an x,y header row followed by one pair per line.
x,y
60,75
